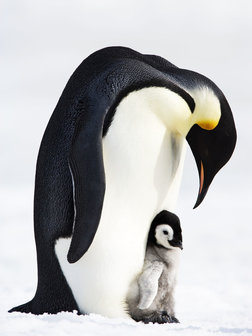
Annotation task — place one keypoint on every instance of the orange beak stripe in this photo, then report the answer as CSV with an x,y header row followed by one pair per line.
x,y
201,176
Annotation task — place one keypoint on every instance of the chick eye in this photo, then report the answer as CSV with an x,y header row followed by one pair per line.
x,y
165,232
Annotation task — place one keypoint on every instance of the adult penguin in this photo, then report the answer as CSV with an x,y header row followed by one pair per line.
x,y
120,123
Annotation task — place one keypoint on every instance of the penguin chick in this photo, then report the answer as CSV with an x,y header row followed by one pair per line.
x,y
151,295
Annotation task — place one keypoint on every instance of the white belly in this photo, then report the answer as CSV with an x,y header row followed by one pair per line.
x,y
143,163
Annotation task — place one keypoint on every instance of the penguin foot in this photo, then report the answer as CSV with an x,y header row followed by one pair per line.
x,y
160,317
170,318
174,319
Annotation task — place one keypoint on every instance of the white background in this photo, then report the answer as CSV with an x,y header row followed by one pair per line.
x,y
42,42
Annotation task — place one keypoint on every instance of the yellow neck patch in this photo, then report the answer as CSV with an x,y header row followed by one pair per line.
x,y
208,125
207,111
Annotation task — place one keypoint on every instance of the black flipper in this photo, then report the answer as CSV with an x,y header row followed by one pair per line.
x,y
86,165
86,158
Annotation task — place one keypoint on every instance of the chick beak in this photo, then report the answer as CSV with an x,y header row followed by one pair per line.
x,y
176,243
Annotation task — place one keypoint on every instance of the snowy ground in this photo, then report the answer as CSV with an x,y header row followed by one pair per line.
x,y
213,294
42,42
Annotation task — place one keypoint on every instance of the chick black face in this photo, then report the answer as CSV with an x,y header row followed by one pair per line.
x,y
166,231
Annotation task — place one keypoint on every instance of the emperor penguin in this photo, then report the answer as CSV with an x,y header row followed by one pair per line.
x,y
111,158
151,295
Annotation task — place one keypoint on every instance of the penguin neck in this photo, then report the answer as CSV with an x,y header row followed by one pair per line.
x,y
168,255
173,110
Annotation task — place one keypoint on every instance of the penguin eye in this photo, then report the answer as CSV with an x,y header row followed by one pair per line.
x,y
165,232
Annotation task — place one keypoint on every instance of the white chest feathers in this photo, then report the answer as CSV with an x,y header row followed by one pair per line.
x,y
143,160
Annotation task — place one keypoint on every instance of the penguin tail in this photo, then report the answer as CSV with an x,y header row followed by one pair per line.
x,y
24,308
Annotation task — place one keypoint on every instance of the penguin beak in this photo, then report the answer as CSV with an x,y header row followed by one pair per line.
x,y
176,243
202,186
212,148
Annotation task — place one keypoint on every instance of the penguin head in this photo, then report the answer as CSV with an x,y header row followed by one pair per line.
x,y
212,137
166,231
166,237
207,123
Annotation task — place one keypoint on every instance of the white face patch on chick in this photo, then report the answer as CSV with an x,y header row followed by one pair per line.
x,y
163,234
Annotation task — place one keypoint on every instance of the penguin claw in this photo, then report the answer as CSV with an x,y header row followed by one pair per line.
x,y
174,319
160,317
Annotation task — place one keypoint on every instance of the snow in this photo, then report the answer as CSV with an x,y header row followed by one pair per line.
x,y
214,288
42,43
